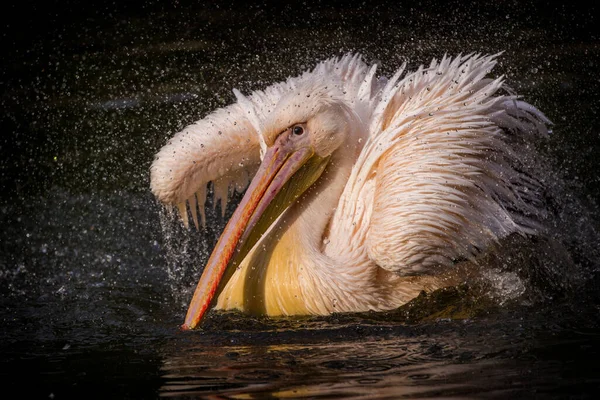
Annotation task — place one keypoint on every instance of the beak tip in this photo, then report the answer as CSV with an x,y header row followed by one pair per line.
x,y
186,327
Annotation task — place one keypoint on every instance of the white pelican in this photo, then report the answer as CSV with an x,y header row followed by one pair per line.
x,y
364,190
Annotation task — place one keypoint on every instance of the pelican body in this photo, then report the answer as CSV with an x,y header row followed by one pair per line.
x,y
362,191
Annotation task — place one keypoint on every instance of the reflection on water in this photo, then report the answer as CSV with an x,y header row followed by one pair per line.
x,y
488,359
346,369
93,287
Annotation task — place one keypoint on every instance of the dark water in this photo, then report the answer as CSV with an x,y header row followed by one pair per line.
x,y
94,279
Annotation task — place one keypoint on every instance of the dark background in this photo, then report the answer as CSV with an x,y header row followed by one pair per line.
x,y
93,282
63,61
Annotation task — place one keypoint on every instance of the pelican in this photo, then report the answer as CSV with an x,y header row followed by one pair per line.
x,y
362,191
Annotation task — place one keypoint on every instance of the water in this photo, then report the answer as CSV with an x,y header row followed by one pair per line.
x,y
94,285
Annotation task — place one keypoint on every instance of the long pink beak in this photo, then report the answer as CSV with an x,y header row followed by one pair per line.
x,y
279,164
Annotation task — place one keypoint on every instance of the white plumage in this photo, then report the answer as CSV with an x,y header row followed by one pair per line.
x,y
432,168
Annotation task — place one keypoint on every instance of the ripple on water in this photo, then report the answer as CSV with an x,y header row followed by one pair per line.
x,y
429,365
345,368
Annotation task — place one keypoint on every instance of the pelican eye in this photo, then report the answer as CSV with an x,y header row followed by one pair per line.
x,y
297,130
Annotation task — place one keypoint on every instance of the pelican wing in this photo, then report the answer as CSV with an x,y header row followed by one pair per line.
x,y
223,148
439,179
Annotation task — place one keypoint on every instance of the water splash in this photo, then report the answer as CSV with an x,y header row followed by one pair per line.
x,y
506,286
186,251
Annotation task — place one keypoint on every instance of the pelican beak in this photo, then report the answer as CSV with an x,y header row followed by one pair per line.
x,y
285,173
